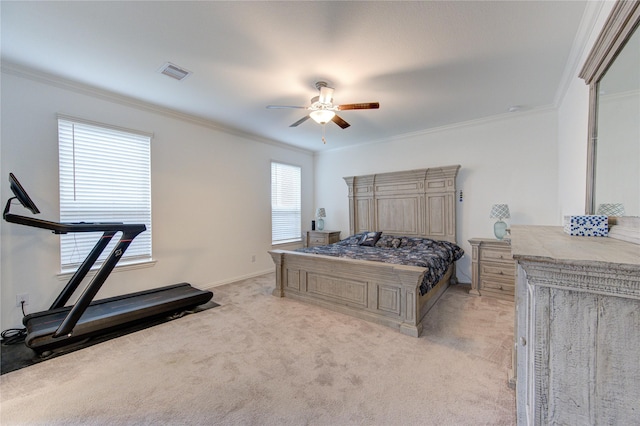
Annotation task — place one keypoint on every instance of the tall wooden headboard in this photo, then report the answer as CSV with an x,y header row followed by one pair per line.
x,y
420,203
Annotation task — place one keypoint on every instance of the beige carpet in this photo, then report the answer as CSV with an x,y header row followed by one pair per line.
x,y
262,360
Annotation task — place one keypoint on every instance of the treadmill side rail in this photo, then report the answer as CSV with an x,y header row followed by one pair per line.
x,y
96,283
83,270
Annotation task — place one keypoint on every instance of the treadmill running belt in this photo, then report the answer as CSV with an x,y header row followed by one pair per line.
x,y
108,314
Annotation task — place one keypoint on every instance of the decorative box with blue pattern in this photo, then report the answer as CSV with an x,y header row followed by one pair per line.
x,y
587,225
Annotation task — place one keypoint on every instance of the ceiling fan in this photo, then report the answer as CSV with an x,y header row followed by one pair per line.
x,y
322,110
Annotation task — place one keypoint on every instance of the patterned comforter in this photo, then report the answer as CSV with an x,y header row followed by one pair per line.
x,y
434,255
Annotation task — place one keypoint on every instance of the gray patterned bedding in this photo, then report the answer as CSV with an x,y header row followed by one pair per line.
x,y
434,255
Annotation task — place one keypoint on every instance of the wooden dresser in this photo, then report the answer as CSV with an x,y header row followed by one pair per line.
x,y
577,328
493,269
322,238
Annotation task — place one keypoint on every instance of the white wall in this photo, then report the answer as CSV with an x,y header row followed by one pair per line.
x,y
573,119
509,159
204,236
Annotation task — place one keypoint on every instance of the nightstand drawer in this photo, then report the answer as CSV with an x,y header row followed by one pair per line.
x,y
489,254
317,240
498,278
499,294
502,285
493,269
322,238
506,270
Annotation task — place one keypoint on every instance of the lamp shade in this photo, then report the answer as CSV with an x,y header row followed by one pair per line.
x,y
500,211
322,116
321,213
611,209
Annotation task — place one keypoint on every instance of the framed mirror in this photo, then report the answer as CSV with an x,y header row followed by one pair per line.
x,y
612,71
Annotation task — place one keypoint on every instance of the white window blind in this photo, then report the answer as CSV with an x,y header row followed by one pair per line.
x,y
285,203
105,176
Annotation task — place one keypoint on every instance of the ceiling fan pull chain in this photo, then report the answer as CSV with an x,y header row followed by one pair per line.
x,y
324,141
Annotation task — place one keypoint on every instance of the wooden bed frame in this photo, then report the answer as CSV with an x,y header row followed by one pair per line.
x,y
415,203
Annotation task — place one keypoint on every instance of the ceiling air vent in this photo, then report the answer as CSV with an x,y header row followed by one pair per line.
x,y
174,71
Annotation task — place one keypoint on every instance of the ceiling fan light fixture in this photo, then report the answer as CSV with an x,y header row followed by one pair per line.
x,y
322,116
326,95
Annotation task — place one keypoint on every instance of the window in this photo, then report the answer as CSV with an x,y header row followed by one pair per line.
x,y
286,215
105,176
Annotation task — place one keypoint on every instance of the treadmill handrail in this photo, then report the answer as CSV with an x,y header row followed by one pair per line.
x,y
64,228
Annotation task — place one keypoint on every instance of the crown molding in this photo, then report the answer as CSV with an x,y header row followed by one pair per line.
x,y
455,126
88,90
579,48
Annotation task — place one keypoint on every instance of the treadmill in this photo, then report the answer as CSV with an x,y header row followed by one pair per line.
x,y
61,326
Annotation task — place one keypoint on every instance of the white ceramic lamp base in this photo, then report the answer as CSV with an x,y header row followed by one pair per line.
x,y
500,229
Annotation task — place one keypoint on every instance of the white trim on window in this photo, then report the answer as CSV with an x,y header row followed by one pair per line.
x,y
105,176
286,203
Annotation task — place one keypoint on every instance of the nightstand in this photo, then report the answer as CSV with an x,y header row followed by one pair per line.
x,y
322,238
493,270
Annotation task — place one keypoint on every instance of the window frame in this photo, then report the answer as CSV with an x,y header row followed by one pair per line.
x,y
295,233
138,205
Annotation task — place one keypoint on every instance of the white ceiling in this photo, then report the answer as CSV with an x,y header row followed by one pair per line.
x,y
429,64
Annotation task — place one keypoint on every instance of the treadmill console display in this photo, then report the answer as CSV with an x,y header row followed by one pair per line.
x,y
22,195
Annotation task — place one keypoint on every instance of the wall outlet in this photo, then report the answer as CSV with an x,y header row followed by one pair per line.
x,y
22,298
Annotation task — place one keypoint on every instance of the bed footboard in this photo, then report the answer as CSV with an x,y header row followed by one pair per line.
x,y
383,293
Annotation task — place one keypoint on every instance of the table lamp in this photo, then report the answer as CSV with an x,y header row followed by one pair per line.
x,y
611,209
500,211
320,213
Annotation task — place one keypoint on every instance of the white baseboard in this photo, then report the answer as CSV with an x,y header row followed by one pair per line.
x,y
239,278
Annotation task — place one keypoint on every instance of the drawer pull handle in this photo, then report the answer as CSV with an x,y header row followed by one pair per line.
x,y
523,341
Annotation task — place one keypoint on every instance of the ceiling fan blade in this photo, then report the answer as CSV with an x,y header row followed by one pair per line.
x,y
285,106
340,122
365,105
326,95
302,120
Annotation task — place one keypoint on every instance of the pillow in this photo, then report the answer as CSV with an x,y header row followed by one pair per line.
x,y
370,239
352,240
387,241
